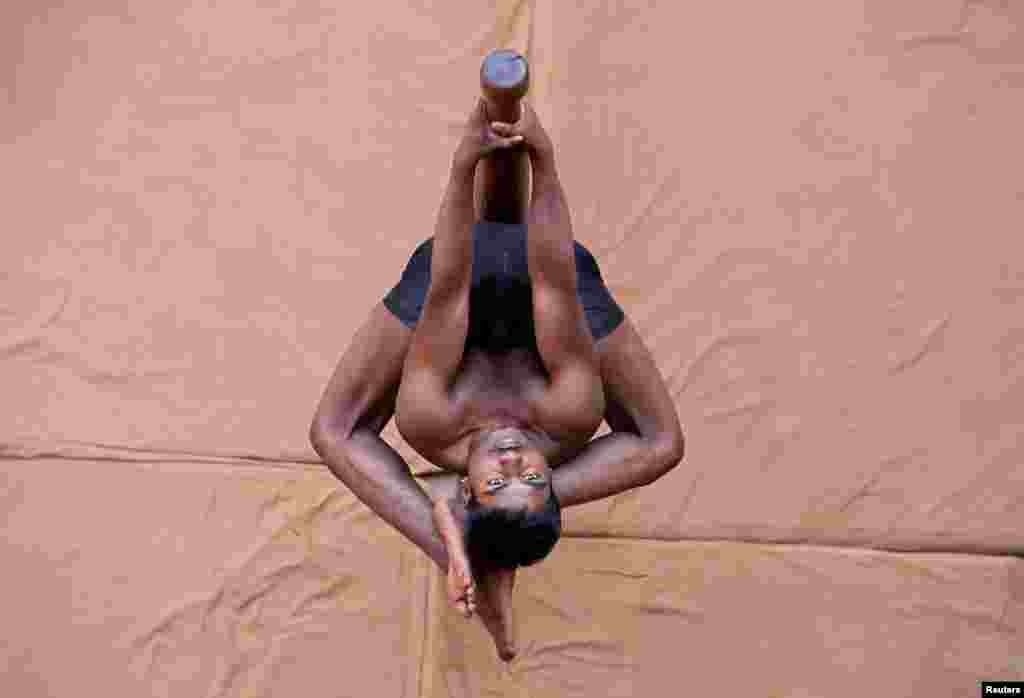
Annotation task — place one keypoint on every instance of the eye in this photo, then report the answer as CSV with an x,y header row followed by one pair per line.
x,y
531,476
494,482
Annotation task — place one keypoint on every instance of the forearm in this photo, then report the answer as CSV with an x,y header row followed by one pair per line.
x,y
611,464
379,478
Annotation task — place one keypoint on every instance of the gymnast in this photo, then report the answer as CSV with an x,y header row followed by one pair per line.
x,y
499,353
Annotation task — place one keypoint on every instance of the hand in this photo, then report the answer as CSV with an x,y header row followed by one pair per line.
x,y
493,602
479,140
537,141
461,587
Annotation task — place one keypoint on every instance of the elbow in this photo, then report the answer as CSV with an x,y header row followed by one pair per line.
x,y
318,437
326,435
331,444
675,448
668,452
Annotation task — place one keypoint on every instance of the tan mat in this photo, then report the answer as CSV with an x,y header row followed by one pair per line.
x,y
257,581
810,211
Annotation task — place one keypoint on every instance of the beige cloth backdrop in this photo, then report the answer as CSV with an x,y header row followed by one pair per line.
x,y
811,211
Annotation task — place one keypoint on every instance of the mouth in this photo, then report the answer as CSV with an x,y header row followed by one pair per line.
x,y
505,442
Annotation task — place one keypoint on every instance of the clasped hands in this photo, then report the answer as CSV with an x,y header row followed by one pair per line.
x,y
482,137
489,594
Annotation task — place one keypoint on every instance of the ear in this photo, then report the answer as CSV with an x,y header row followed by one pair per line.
x,y
464,490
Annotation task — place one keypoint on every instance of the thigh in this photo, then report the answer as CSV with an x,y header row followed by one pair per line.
x,y
597,318
426,414
574,401
563,336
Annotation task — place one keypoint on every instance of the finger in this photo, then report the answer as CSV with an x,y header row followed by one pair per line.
x,y
502,128
530,115
500,144
479,113
525,112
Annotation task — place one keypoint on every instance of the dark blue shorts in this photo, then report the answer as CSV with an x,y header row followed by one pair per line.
x,y
501,306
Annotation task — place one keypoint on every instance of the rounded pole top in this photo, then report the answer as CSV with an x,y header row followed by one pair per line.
x,y
505,71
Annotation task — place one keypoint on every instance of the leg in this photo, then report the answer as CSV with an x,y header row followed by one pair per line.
x,y
425,411
575,401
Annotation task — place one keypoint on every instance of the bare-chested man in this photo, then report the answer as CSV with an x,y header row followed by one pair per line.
x,y
499,353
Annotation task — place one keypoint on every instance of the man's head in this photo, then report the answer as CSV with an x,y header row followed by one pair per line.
x,y
513,516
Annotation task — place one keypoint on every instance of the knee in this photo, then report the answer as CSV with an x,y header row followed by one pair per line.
x,y
317,436
670,451
676,447
324,435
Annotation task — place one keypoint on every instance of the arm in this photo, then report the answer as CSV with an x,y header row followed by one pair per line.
x,y
646,440
485,592
358,402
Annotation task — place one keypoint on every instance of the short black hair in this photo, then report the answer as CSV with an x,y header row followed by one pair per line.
x,y
499,538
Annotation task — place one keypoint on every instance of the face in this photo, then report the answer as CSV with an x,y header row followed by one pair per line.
x,y
507,469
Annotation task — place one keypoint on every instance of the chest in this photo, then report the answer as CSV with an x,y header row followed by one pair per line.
x,y
490,389
513,381
494,390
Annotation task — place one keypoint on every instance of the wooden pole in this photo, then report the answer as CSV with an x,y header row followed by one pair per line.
x,y
503,178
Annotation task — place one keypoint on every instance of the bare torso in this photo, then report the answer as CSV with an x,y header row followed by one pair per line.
x,y
493,391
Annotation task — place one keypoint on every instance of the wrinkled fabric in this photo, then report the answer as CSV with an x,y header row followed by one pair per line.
x,y
809,211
